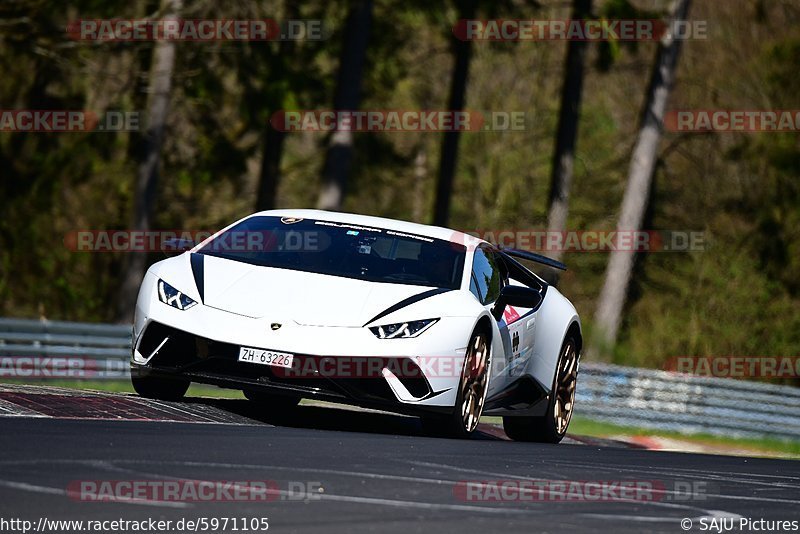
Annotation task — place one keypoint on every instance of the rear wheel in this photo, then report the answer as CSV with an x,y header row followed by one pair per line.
x,y
160,388
471,392
552,427
271,400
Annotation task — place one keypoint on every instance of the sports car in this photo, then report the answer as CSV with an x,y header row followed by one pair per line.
x,y
379,313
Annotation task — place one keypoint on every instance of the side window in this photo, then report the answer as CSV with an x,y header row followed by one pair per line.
x,y
473,288
487,275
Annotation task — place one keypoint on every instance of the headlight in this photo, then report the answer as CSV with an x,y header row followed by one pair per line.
x,y
402,330
169,295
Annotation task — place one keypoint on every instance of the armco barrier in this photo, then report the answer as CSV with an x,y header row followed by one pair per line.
x,y
688,404
626,396
59,349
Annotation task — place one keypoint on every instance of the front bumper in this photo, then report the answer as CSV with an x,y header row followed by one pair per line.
x,y
356,380
340,364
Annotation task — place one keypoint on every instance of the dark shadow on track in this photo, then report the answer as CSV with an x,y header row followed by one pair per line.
x,y
348,419
328,418
63,403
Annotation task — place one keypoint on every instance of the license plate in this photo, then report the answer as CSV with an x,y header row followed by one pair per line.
x,y
265,357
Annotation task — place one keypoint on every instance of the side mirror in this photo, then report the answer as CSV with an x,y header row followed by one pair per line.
x,y
521,296
173,247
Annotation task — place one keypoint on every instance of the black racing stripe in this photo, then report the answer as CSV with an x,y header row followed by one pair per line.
x,y
197,271
407,302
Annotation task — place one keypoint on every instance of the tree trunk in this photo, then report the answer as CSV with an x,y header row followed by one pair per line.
x,y
348,97
637,192
420,179
566,138
270,173
458,87
162,67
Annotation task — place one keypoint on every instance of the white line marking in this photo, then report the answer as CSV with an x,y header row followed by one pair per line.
x,y
707,495
58,491
373,500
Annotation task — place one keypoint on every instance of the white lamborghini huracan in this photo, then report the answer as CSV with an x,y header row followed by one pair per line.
x,y
403,317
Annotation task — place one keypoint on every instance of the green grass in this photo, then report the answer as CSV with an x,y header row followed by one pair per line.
x,y
587,427
580,426
124,386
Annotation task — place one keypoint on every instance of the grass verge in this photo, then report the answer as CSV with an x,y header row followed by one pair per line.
x,y
767,446
124,386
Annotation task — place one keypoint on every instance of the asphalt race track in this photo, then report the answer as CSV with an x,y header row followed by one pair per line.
x,y
339,470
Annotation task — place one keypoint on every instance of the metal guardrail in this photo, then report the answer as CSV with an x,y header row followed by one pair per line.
x,y
626,396
687,404
63,350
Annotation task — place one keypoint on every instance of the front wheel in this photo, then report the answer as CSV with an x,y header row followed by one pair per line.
x,y
552,427
471,396
160,388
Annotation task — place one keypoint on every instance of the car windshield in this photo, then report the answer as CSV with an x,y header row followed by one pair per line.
x,y
340,249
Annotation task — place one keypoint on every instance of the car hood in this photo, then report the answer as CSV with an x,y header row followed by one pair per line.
x,y
305,298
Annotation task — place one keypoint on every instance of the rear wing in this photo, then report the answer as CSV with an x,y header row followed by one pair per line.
x,y
537,258
521,273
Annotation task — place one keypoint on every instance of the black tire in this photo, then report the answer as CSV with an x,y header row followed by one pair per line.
x,y
280,402
551,427
472,390
160,388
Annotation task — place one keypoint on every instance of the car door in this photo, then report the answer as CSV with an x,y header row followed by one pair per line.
x,y
488,277
521,326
